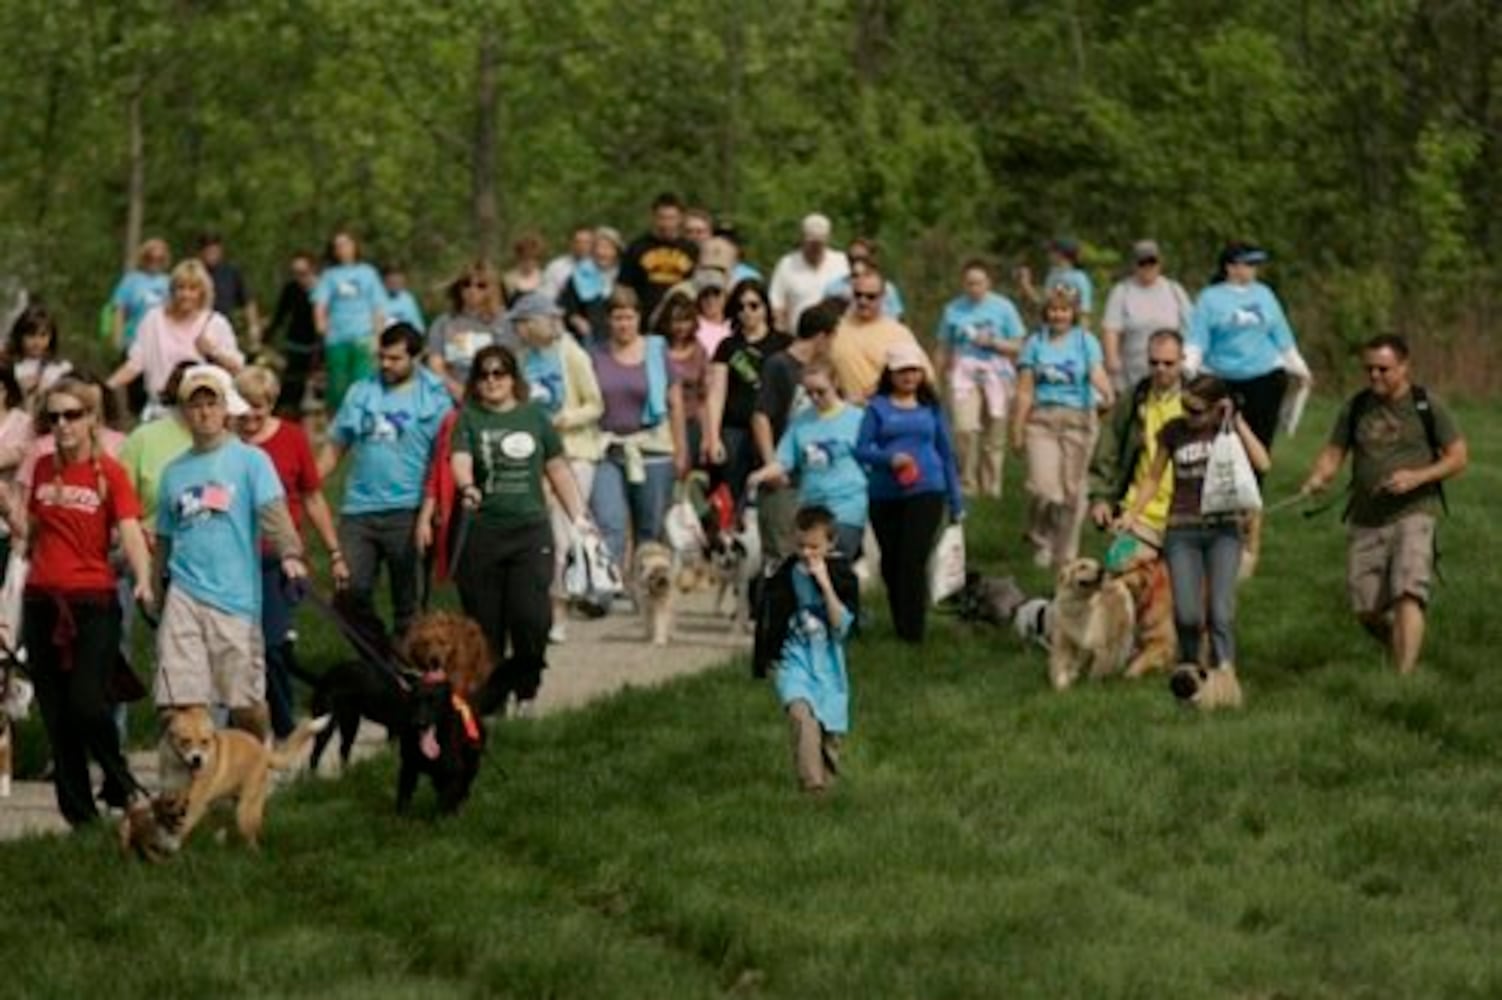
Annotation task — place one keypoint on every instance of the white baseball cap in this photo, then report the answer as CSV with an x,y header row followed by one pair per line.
x,y
218,381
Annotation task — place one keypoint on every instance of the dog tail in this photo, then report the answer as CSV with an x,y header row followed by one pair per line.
x,y
291,751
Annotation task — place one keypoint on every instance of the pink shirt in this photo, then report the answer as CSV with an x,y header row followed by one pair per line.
x,y
163,342
710,334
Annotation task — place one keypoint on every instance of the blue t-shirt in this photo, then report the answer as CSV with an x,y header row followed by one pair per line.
x,y
389,431
1240,329
966,320
1076,279
920,432
137,293
819,453
352,293
403,308
208,505
542,367
1061,368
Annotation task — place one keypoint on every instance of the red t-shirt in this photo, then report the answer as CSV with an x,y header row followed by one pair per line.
x,y
70,548
292,457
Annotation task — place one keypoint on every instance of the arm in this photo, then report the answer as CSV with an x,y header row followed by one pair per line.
x,y
127,373
1326,464
1452,461
951,470
252,322
1105,472
321,318
590,405
1145,497
833,606
718,384
868,447
678,426
1260,459
1110,342
1025,385
138,555
761,434
561,478
117,328
276,523
161,556
322,520
463,465
1105,395
329,457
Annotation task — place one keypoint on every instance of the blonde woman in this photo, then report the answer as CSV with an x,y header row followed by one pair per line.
x,y
561,379
476,319
185,328
71,628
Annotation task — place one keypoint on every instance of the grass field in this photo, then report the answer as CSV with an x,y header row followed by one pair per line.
x,y
1341,837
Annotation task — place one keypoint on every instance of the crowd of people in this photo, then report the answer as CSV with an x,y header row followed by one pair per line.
x,y
555,398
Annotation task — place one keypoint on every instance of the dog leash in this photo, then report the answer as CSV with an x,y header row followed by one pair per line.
x,y
400,672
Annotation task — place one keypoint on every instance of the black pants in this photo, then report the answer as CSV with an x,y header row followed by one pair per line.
x,y
1259,400
504,580
384,537
906,530
75,709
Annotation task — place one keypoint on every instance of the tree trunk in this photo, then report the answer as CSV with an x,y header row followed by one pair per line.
x,y
483,155
135,211
730,120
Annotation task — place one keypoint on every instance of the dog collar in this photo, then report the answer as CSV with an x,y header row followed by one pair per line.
x,y
467,716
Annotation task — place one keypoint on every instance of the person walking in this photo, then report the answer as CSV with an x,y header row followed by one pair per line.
x,y
864,338
1403,446
1137,307
78,497
387,425
504,449
293,321
660,258
905,446
734,381
139,291
1128,442
801,276
475,320
349,310
1061,384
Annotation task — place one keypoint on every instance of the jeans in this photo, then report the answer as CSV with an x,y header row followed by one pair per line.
x,y
1202,565
616,503
368,540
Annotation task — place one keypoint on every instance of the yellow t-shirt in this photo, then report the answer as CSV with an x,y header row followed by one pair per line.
x,y
858,354
1157,410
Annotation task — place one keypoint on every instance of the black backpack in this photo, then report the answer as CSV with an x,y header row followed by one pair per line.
x,y
1366,399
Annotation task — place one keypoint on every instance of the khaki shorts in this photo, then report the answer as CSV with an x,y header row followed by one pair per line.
x,y
1387,563
206,656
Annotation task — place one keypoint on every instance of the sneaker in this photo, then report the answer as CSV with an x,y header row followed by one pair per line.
x,y
524,708
1042,558
558,634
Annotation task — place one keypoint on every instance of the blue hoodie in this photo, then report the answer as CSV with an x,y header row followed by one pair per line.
x,y
1240,330
920,432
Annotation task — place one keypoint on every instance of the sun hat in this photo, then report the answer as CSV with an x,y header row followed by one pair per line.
x,y
903,356
533,305
1144,251
216,380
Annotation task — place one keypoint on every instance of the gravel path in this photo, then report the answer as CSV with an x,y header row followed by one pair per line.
x,y
600,658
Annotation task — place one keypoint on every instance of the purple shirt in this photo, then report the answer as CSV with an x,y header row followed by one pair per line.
x,y
624,389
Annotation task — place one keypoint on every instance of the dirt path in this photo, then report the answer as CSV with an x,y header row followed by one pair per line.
x,y
599,659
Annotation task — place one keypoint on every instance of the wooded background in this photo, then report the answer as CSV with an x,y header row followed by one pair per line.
x,y
1358,141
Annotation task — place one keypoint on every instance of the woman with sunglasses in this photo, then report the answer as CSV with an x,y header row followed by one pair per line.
x,y
504,448
71,620
186,328
1203,550
734,380
1238,331
476,319
1062,381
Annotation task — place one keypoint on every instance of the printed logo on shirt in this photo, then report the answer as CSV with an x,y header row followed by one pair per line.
x,y
546,390
507,457
819,455
384,426
346,289
978,332
1248,315
666,265
1065,372
85,499
1190,459
202,501
1379,429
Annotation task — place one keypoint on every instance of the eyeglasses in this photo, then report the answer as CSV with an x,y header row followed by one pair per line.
x,y
478,286
1160,363
867,296
1378,369
1195,409
67,416
752,305
1147,262
495,373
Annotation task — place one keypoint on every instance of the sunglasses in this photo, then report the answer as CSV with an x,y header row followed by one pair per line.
x,y
1160,363
1147,262
1196,409
478,286
71,416
752,305
1378,369
867,296
496,373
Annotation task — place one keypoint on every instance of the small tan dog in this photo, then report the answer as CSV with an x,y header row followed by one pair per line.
x,y
151,828
1205,689
227,763
654,590
1094,624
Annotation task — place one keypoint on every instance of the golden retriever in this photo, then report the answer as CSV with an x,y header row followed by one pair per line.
x,y
452,644
654,590
229,763
1156,644
1093,625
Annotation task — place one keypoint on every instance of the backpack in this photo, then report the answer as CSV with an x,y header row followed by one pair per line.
x,y
1366,399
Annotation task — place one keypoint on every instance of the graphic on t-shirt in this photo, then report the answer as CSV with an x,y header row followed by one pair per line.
x,y
1190,459
978,332
507,456
1248,315
346,289
69,497
820,454
1379,430
384,426
201,501
747,367
666,265
546,390
1065,372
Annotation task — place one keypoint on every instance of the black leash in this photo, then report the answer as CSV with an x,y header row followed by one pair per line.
x,y
389,661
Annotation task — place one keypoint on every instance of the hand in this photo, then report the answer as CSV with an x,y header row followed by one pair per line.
x,y
422,534
293,568
583,526
819,570
471,496
204,346
340,568
1100,514
1023,275
681,465
901,460
713,452
1403,481
1225,409
144,595
1127,524
1313,486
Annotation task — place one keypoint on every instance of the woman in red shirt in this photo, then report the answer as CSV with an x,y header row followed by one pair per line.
x,y
71,628
287,445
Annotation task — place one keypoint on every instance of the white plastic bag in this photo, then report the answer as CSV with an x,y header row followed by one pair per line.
x,y
1230,484
685,535
590,575
11,595
946,565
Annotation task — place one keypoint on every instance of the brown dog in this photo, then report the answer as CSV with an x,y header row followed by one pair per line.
x,y
453,644
227,763
1093,624
1156,641
151,828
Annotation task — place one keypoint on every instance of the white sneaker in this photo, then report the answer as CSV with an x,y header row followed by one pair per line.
x,y
1042,558
558,634
524,708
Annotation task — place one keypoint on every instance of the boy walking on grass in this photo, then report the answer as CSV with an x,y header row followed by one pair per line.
x,y
810,606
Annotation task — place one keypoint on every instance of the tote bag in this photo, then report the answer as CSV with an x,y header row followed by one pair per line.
x,y
946,565
1230,484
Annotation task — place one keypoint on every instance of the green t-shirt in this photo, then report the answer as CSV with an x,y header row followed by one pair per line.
x,y
509,450
1390,436
146,452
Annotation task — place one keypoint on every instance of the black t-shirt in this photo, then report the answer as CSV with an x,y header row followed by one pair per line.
x,y
744,359
651,266
294,313
230,290
781,390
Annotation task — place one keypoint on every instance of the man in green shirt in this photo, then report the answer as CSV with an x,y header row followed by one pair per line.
x,y
1403,445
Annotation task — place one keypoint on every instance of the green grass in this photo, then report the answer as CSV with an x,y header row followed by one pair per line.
x,y
1341,837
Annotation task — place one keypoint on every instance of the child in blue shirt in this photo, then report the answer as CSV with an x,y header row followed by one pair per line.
x,y
810,605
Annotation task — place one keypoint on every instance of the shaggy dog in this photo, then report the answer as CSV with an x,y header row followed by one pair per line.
x,y
736,556
1093,625
654,590
229,763
151,829
1205,689
443,739
15,705
1033,621
1152,597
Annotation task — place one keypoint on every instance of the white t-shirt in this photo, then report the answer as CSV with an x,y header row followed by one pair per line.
x,y
162,342
1139,311
796,285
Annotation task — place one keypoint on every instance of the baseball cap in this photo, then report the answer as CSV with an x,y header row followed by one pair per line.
x,y
903,356
816,227
1145,250
706,278
1067,246
532,305
218,381
1240,252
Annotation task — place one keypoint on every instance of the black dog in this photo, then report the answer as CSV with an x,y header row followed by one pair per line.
x,y
444,739
349,692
